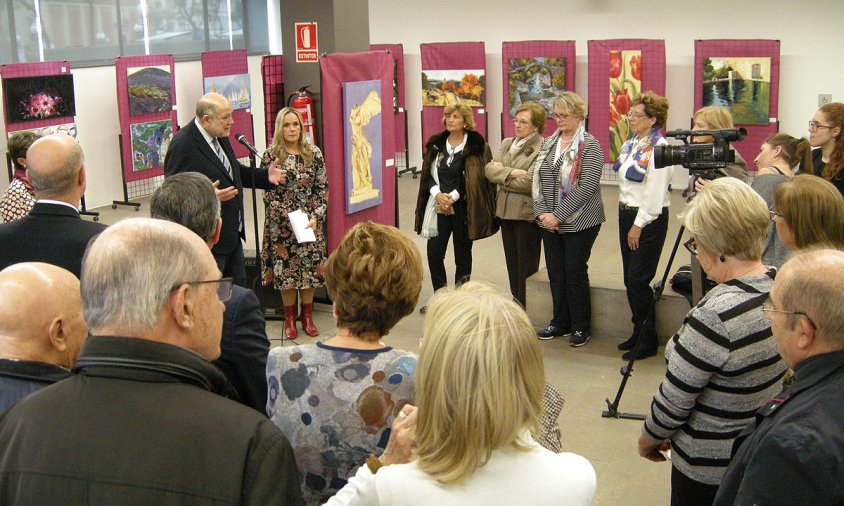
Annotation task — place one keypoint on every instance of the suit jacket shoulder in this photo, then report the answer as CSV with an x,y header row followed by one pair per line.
x,y
244,348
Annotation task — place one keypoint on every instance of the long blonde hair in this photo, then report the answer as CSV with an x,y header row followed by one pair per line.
x,y
277,147
479,380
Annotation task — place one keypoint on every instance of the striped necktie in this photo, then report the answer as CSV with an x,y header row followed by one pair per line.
x,y
222,156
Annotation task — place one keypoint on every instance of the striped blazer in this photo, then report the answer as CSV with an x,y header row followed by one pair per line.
x,y
723,364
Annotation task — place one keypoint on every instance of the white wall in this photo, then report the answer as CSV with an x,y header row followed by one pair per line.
x,y
810,32
98,127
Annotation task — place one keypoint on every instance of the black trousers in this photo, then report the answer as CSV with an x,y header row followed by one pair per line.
x,y
522,244
233,265
639,269
567,261
448,225
688,492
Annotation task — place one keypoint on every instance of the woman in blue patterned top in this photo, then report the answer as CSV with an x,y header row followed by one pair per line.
x,y
336,400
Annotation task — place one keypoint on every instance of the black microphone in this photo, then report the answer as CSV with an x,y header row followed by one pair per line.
x,y
243,140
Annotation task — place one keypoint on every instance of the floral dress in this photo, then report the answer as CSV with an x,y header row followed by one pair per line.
x,y
336,407
289,264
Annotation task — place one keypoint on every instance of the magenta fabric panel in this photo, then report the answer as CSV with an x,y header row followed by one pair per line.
x,y
36,69
339,68
400,134
272,74
226,63
653,79
122,65
756,134
535,49
451,56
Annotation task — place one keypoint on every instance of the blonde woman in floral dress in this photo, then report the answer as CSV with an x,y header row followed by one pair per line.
x,y
295,268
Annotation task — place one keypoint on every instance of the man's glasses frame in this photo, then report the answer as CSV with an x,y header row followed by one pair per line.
x,y
224,290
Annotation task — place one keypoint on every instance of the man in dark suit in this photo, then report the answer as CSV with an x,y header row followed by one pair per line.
x,y
203,146
188,199
53,232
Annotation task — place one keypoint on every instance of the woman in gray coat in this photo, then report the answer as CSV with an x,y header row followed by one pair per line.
x,y
512,170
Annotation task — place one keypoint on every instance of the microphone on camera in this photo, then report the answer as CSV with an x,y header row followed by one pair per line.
x,y
243,140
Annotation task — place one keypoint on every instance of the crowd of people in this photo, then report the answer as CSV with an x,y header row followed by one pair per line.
x,y
134,351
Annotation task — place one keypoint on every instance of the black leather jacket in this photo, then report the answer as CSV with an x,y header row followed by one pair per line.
x,y
142,423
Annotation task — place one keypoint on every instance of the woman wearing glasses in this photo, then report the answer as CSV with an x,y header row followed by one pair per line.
x,y
644,197
723,363
567,204
778,160
825,133
512,170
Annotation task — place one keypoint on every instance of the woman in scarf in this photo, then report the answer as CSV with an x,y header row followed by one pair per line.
x,y
644,197
454,196
20,196
568,207
512,170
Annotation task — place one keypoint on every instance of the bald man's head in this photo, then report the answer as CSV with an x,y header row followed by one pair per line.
x,y
811,282
214,113
40,314
54,164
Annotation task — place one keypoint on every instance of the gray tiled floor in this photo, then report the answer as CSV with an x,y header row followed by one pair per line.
x,y
586,376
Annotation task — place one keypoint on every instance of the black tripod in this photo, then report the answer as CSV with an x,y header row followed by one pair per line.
x,y
627,370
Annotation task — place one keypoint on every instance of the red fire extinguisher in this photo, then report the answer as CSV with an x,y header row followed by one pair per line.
x,y
304,105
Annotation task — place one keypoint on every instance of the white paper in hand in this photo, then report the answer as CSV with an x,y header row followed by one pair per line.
x,y
299,222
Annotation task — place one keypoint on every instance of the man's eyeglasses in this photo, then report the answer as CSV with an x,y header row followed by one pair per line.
x,y
814,126
224,290
691,246
768,308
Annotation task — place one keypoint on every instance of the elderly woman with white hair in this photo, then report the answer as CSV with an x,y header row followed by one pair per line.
x,y
723,363
479,387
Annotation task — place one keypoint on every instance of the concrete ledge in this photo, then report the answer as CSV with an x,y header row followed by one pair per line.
x,y
610,311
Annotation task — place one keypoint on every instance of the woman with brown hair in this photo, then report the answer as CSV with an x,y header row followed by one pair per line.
x,y
777,162
512,170
335,400
642,216
455,199
295,268
809,211
825,133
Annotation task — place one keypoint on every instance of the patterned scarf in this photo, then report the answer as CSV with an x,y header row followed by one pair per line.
x,y
569,163
642,149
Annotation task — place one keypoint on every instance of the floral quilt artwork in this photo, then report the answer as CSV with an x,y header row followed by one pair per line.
x,y
625,86
39,97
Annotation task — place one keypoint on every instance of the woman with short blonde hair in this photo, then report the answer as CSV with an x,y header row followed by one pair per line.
x,y
567,204
479,388
723,362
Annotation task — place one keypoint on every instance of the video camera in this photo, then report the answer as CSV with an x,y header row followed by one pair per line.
x,y
699,157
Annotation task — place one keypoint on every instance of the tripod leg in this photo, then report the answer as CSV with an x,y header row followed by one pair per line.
x,y
627,371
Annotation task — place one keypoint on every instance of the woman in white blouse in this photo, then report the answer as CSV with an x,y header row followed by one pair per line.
x,y
644,198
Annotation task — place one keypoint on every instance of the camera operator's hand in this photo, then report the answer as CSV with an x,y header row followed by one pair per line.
x,y
651,451
633,237
700,183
